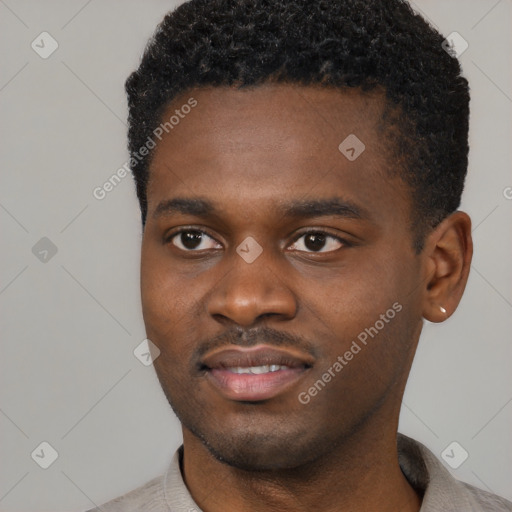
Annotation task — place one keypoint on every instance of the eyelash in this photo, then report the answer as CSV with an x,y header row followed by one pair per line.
x,y
343,242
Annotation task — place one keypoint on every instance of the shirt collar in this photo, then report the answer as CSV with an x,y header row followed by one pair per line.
x,y
425,473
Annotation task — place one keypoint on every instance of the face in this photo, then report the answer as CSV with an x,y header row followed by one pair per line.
x,y
278,276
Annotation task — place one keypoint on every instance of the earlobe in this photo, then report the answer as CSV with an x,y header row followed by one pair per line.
x,y
448,253
436,313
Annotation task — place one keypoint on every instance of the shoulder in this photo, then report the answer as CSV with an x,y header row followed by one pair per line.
x,y
440,490
486,501
161,494
148,497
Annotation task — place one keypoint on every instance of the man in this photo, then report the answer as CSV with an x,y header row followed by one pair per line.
x,y
299,166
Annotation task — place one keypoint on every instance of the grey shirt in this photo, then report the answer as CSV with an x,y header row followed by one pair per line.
x,y
441,491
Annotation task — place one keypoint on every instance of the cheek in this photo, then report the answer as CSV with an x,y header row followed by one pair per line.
x,y
163,300
368,302
363,288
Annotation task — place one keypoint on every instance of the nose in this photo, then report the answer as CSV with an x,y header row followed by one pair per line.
x,y
251,291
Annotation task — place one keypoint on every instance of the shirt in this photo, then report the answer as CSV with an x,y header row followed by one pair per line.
x,y
441,491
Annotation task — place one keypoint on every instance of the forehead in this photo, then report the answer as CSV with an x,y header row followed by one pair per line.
x,y
274,116
264,143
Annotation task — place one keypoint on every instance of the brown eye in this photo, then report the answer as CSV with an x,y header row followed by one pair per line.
x,y
192,240
317,241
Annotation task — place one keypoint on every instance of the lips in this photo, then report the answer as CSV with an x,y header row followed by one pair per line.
x,y
255,373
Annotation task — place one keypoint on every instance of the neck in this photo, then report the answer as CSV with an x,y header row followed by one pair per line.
x,y
361,473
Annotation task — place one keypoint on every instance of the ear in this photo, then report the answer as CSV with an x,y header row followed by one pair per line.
x,y
448,251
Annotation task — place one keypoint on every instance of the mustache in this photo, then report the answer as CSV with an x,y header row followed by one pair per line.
x,y
251,337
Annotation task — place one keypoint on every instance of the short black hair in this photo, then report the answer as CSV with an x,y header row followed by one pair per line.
x,y
335,43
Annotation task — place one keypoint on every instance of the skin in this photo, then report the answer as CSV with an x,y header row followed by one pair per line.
x,y
249,152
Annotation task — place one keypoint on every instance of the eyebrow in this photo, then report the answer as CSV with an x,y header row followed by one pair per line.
x,y
198,207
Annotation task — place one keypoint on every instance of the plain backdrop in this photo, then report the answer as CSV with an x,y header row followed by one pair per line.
x,y
71,313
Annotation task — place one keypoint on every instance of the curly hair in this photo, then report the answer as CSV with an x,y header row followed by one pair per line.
x,y
335,43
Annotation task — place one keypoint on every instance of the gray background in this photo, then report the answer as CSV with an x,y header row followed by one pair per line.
x,y
70,324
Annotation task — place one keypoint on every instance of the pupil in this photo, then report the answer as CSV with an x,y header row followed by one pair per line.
x,y
191,239
317,241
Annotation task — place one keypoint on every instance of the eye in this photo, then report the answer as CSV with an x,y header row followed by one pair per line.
x,y
192,240
195,240
317,241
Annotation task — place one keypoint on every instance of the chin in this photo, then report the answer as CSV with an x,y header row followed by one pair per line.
x,y
252,451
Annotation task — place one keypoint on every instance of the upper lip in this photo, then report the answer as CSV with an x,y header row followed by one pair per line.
x,y
260,355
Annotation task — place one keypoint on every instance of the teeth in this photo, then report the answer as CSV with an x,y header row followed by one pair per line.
x,y
256,370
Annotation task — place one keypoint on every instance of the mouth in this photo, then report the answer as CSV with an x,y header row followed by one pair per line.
x,y
256,373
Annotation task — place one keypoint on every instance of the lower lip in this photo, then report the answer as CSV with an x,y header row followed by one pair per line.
x,y
249,387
